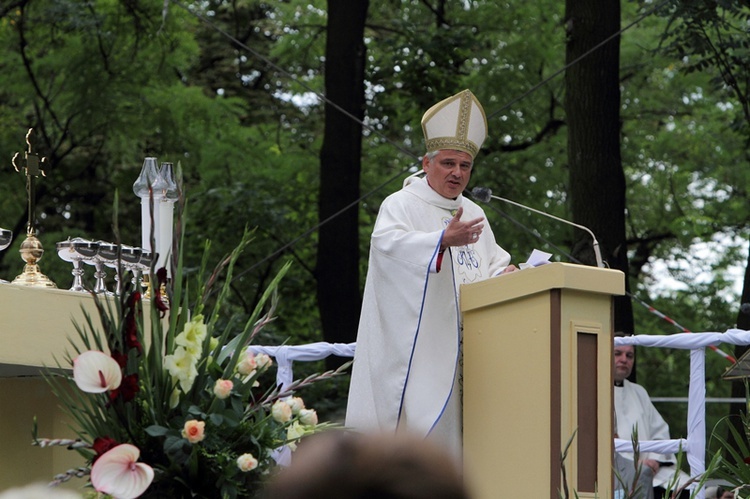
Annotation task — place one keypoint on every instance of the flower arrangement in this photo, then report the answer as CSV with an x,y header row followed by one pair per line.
x,y
176,409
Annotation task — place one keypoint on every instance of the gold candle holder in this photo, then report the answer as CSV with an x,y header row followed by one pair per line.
x,y
31,252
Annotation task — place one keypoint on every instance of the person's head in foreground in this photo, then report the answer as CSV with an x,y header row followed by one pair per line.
x,y
340,465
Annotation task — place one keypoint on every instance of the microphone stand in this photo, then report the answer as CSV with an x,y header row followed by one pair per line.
x,y
597,251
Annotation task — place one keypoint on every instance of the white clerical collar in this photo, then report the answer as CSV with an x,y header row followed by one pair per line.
x,y
421,189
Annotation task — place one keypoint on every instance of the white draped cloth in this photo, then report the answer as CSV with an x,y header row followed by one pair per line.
x,y
406,367
285,356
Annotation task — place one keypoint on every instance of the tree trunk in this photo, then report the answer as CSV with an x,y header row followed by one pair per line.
x,y
592,104
337,269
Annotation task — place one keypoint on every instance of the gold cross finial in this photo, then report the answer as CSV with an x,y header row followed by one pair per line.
x,y
31,160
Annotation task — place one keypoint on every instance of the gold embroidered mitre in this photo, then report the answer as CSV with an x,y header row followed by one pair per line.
x,y
457,122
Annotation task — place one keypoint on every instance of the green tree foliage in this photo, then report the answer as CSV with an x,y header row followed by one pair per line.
x,y
228,90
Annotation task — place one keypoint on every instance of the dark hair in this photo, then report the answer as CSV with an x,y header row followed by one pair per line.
x,y
339,465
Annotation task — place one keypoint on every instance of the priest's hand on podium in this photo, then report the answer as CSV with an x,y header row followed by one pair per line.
x,y
508,269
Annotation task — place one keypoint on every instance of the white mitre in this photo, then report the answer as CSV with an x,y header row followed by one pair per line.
x,y
457,122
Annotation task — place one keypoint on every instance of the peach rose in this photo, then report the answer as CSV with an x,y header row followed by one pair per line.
x,y
223,388
193,431
247,365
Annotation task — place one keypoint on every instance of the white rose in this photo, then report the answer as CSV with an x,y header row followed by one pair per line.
x,y
246,462
297,404
308,417
281,411
263,361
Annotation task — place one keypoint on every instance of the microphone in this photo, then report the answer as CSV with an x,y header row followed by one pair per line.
x,y
484,194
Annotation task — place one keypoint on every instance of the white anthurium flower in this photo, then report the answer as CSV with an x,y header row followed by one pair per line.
x,y
118,473
96,372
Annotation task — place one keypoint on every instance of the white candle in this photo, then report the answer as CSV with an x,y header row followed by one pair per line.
x,y
165,226
145,225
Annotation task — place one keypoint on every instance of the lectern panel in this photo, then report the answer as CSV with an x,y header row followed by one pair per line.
x,y
588,421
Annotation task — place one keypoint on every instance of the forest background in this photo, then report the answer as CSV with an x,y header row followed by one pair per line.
x,y
298,117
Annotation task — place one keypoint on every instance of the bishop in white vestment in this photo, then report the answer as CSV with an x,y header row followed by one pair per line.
x,y
428,239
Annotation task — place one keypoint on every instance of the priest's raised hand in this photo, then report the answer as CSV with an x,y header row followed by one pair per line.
x,y
459,233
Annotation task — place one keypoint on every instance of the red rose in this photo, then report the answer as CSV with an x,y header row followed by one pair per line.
x,y
102,445
127,389
120,358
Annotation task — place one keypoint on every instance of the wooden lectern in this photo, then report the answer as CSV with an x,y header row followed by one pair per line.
x,y
537,374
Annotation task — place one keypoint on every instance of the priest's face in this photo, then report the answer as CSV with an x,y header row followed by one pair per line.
x,y
448,172
624,355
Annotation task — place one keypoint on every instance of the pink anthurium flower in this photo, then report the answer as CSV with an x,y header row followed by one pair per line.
x,y
96,372
118,473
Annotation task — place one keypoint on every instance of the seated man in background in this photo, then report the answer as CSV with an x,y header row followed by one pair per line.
x,y
719,493
633,409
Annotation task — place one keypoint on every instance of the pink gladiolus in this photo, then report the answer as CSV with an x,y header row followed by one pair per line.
x,y
118,473
96,372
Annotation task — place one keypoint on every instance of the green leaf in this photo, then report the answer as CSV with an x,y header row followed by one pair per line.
x,y
157,431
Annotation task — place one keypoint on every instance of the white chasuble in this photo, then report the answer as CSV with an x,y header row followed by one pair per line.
x,y
406,365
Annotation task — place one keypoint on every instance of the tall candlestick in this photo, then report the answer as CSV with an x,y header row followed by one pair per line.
x,y
31,249
168,187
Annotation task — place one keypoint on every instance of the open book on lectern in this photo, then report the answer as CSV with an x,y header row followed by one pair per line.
x,y
536,259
